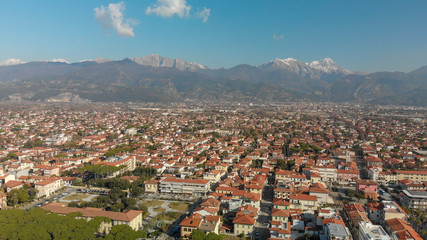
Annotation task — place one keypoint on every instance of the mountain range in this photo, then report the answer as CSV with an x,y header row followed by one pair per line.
x,y
161,79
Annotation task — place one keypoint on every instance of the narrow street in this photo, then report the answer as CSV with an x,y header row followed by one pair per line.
x,y
264,217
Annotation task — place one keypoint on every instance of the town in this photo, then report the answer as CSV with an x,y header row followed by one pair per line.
x,y
219,171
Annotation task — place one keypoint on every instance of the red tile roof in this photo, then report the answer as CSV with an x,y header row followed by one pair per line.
x,y
125,216
244,219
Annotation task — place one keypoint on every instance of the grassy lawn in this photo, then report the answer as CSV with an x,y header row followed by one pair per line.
x,y
168,216
76,197
159,209
179,206
154,203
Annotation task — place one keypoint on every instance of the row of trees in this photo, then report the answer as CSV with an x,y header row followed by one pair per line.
x,y
98,171
144,173
200,235
40,224
114,151
417,217
116,201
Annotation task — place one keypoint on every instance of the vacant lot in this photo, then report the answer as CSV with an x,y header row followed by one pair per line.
x,y
154,203
179,206
159,209
168,216
76,197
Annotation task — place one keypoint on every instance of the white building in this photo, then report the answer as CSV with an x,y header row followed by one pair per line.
x,y
337,232
47,187
368,231
197,187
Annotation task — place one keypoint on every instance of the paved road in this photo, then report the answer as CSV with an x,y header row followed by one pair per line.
x,y
68,190
261,230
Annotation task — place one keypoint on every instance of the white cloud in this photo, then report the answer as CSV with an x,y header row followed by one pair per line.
x,y
11,61
112,17
168,8
278,37
204,14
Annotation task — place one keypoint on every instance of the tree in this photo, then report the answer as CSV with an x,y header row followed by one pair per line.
x,y
73,204
116,193
23,196
257,163
144,172
285,165
12,199
16,196
213,236
129,203
136,191
351,193
99,171
40,224
32,193
197,235
124,232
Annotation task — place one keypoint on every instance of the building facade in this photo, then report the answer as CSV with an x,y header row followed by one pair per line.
x,y
196,187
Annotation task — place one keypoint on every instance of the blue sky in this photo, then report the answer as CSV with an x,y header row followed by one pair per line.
x,y
379,35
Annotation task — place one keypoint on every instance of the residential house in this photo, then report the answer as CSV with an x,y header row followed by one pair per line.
x,y
303,201
368,188
400,229
244,224
152,186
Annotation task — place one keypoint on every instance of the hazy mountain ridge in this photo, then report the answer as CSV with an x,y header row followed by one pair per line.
x,y
155,60
156,78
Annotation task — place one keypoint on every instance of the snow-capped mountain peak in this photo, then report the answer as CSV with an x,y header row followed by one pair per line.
x,y
328,65
289,64
314,69
58,60
11,61
97,60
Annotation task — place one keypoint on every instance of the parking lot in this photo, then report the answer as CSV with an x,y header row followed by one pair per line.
x,y
95,191
54,197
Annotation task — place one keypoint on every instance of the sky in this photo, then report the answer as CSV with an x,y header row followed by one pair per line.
x,y
371,36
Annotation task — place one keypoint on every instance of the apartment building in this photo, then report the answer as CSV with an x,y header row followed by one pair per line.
x,y
128,162
391,210
414,199
337,231
327,173
196,187
369,231
303,201
416,176
47,187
